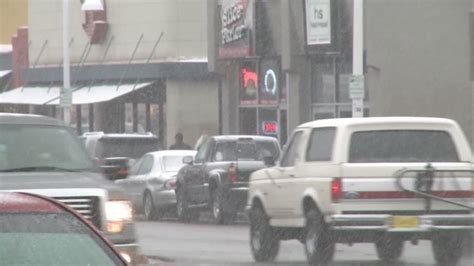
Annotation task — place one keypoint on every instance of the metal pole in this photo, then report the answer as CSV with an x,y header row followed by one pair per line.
x,y
66,63
357,55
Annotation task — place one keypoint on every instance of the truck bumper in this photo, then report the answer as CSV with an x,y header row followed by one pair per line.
x,y
402,224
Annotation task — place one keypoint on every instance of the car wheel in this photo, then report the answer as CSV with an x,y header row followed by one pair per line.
x,y
263,240
389,249
319,246
182,211
149,210
220,215
447,248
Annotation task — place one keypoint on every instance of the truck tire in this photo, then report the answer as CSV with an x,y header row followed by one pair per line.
x,y
184,214
447,248
319,246
389,249
264,243
220,215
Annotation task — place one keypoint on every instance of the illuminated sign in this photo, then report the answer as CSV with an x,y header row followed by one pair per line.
x,y
270,127
270,82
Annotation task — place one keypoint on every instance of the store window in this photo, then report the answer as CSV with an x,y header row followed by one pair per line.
x,y
269,82
249,83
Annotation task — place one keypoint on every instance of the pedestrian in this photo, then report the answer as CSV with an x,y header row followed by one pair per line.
x,y
179,144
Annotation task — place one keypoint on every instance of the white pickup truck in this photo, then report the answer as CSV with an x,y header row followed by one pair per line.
x,y
382,180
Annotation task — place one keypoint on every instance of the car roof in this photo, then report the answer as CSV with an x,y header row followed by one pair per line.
x,y
118,135
346,122
12,202
236,137
172,153
28,119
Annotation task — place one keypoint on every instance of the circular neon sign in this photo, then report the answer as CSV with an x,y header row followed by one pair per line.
x,y
270,74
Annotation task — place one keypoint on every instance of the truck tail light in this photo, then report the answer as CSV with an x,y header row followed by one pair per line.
x,y
336,189
232,173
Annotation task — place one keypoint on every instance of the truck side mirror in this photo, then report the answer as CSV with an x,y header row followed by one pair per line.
x,y
269,161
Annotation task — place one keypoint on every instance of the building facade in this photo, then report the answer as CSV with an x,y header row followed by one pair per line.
x,y
135,66
417,61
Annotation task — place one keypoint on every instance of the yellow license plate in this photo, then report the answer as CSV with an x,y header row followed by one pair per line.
x,y
405,221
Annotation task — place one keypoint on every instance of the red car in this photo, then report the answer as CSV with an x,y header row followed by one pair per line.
x,y
36,230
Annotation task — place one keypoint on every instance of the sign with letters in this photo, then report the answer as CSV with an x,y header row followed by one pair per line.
x,y
318,22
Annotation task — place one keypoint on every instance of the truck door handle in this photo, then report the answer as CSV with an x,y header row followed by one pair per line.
x,y
292,175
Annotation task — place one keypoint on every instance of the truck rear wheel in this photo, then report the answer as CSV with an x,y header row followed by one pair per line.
x,y
319,246
220,215
183,212
447,248
389,249
263,241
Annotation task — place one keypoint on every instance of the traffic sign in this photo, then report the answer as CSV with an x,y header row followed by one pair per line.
x,y
357,87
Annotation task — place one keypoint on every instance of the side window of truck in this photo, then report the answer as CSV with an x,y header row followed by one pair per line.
x,y
289,158
321,142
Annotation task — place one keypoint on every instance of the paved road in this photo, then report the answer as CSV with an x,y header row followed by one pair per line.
x,y
208,244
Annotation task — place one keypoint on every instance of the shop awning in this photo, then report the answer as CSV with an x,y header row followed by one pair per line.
x,y
83,95
4,73
30,95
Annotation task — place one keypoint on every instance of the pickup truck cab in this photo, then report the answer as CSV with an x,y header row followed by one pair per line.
x,y
381,180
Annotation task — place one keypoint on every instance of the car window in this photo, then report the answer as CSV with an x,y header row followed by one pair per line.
x,y
135,167
248,150
58,148
127,147
51,239
146,165
203,151
291,153
402,146
172,163
321,143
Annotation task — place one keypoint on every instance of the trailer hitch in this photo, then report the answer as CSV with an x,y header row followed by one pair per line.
x,y
424,180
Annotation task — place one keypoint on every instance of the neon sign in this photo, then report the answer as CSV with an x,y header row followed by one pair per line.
x,y
248,75
270,127
270,82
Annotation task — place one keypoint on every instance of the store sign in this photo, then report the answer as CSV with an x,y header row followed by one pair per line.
x,y
249,81
270,127
318,22
269,82
236,26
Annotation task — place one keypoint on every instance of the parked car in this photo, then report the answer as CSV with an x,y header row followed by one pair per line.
x,y
152,181
380,180
217,179
40,231
119,147
41,155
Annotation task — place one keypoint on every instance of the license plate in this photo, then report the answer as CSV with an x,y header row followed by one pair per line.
x,y
405,221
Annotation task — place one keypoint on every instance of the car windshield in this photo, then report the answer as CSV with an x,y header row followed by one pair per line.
x,y
402,146
51,239
127,147
172,163
37,148
245,150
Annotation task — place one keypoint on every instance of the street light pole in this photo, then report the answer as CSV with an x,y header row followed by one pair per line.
x,y
358,81
67,93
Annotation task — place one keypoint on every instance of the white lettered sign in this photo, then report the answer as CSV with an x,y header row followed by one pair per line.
x,y
318,22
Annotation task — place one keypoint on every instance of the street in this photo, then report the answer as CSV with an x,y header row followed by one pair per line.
x,y
172,243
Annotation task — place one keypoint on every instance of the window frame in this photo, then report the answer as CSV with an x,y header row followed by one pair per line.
x,y
297,134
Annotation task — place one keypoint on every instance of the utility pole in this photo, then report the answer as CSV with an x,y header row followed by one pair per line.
x,y
66,93
357,82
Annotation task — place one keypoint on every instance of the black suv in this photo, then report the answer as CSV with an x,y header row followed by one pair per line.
x,y
217,179
110,147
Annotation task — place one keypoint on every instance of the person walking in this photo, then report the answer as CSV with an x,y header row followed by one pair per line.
x,y
179,144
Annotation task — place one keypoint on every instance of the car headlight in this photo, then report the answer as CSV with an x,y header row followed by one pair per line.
x,y
116,213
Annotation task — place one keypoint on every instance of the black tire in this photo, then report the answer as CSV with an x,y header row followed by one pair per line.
x,y
319,246
264,243
220,215
149,209
389,249
183,213
447,248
